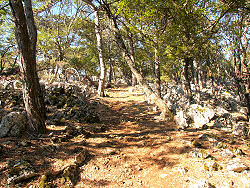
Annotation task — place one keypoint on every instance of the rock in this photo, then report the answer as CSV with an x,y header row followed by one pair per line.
x,y
199,153
202,184
70,173
223,121
207,137
238,151
181,170
111,151
239,117
240,129
236,165
197,144
227,184
81,157
200,115
180,119
19,171
212,165
43,182
220,111
220,145
12,124
227,153
242,110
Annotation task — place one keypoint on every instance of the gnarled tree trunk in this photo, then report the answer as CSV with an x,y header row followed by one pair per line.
x,y
26,36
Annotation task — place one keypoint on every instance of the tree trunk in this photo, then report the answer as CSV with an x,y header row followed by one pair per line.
x,y
245,71
132,55
204,79
110,73
200,79
98,34
101,54
119,40
187,86
26,36
196,79
157,73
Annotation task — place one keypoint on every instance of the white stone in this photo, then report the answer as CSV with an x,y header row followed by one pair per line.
x,y
200,115
12,124
236,165
201,184
180,119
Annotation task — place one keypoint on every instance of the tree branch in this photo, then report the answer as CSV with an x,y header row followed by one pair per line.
x,y
4,6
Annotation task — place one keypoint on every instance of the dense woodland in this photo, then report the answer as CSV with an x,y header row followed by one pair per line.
x,y
173,52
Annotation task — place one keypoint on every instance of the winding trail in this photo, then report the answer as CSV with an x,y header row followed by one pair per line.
x,y
139,151
130,148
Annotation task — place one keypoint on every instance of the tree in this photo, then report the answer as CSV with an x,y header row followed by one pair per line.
x,y
120,42
58,33
26,37
99,41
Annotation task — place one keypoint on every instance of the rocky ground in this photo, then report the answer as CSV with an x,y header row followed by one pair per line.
x,y
121,143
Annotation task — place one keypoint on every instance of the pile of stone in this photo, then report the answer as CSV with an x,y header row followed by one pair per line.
x,y
218,108
64,101
70,103
11,100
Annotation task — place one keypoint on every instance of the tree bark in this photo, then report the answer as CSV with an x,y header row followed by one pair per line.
x,y
245,71
110,73
187,86
26,36
132,55
101,85
196,79
157,73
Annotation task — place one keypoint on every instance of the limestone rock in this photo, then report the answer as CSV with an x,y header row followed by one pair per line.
x,y
81,157
202,184
207,137
12,124
181,120
19,171
199,153
70,173
236,165
220,111
223,121
227,153
240,129
212,165
200,115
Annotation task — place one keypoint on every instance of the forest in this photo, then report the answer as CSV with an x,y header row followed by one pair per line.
x,y
121,93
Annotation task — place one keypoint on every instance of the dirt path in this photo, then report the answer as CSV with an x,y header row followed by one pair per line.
x,y
131,148
139,151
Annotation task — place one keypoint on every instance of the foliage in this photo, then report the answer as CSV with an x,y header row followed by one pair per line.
x,y
210,31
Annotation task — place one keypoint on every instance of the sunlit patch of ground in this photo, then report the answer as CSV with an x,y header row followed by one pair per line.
x,y
135,150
